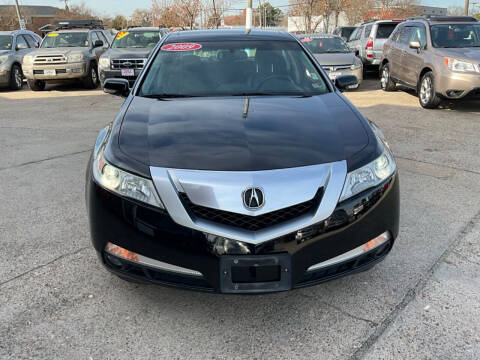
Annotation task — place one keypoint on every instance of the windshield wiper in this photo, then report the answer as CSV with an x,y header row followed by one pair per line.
x,y
168,96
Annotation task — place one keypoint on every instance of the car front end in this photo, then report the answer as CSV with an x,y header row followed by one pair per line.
x,y
224,193
458,77
55,64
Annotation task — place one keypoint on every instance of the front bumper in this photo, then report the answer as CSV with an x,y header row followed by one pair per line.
x,y
358,73
454,85
170,254
4,77
117,74
62,71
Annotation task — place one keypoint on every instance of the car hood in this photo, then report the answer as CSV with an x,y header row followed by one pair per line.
x,y
62,51
463,53
218,134
335,59
131,53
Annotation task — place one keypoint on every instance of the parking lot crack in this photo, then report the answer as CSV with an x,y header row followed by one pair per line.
x,y
43,265
46,159
439,165
371,322
410,295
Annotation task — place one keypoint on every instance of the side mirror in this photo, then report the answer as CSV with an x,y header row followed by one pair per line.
x,y
119,87
37,44
98,43
415,45
344,82
21,47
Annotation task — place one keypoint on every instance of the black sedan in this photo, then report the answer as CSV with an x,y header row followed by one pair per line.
x,y
235,165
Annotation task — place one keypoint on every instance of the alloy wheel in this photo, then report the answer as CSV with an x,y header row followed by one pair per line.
x,y
18,77
385,77
426,90
94,76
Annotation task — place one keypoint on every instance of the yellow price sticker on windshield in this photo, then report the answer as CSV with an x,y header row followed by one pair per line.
x,y
122,34
53,35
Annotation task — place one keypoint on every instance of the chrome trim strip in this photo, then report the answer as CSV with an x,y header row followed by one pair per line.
x,y
350,254
223,190
143,260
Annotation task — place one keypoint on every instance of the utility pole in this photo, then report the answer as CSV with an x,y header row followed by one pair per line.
x,y
467,6
248,17
20,21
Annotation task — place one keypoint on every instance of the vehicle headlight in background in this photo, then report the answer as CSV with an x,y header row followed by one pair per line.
x,y
357,64
74,58
458,65
369,175
3,59
104,62
28,59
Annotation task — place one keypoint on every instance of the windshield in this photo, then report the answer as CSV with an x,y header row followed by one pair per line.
x,y
136,39
325,45
67,39
346,32
232,68
6,42
456,35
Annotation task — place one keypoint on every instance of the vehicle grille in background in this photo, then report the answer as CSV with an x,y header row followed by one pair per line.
x,y
50,59
336,67
252,223
119,64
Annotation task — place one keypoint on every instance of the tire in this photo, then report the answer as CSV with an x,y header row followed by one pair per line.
x,y
36,85
91,81
386,82
427,96
16,78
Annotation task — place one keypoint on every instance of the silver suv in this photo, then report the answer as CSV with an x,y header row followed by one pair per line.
x,y
367,40
70,52
437,56
14,45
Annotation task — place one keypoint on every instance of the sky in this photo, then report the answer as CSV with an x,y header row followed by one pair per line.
x,y
126,7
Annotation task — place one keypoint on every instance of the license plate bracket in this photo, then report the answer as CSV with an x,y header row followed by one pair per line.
x,y
50,72
128,72
255,273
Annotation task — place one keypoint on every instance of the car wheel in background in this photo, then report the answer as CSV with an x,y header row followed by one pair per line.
x,y
16,78
36,85
426,92
91,81
386,81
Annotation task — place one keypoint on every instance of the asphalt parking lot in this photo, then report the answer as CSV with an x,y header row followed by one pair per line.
x,y
57,302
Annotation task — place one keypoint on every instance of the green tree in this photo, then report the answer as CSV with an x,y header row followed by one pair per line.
x,y
269,15
119,22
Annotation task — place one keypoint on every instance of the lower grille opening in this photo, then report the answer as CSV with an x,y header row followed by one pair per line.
x,y
252,223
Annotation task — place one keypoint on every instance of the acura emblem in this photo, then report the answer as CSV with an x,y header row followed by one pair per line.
x,y
253,198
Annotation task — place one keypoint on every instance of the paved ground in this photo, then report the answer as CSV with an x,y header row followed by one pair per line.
x,y
57,302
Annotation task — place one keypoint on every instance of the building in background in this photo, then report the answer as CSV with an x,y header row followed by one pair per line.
x,y
34,16
432,11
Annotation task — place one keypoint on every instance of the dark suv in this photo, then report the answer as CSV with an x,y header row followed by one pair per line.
x,y
129,52
437,56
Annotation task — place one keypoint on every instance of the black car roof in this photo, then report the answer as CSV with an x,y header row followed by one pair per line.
x,y
235,34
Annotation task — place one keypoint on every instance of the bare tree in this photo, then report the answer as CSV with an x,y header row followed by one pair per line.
x,y
191,9
142,17
455,10
66,4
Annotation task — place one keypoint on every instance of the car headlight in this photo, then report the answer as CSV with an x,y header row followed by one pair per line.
x,y
3,59
75,58
104,62
369,175
28,59
458,65
119,181
357,64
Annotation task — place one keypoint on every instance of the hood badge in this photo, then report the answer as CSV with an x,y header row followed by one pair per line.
x,y
253,198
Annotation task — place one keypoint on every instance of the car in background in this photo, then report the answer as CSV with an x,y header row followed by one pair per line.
x,y
14,45
259,179
368,39
69,52
344,31
128,53
334,55
439,57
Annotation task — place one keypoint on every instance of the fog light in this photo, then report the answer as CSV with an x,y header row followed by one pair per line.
x,y
379,240
121,252
224,246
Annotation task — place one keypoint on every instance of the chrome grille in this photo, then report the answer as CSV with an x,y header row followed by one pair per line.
x,y
336,67
118,64
50,59
252,223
